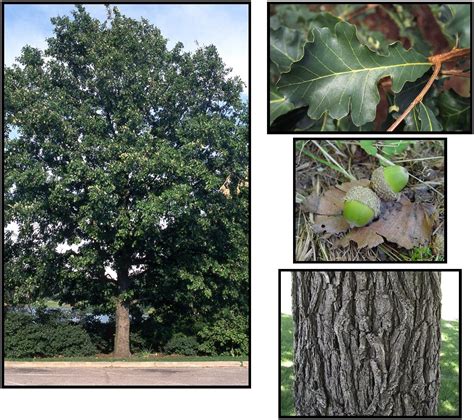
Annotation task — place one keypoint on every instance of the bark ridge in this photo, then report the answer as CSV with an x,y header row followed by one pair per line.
x,y
366,343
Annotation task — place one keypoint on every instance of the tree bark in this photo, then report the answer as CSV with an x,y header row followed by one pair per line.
x,y
122,317
366,343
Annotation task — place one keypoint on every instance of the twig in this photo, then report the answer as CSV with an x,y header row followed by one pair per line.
x,y
384,159
437,61
456,73
450,55
428,185
418,99
418,159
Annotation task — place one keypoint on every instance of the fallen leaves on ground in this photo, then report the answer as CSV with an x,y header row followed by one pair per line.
x,y
407,224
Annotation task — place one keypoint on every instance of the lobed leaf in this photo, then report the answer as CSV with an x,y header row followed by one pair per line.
x,y
286,47
422,118
279,105
460,24
455,111
338,74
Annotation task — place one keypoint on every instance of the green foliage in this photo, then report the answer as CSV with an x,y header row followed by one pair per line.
x,y
339,75
182,344
286,47
279,105
389,149
423,253
454,110
395,147
458,25
100,333
325,71
44,335
368,146
135,153
228,335
422,118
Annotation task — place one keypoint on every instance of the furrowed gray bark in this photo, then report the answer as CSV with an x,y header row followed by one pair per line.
x,y
366,343
122,316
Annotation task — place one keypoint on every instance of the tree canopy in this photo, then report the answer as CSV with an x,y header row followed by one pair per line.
x,y
121,152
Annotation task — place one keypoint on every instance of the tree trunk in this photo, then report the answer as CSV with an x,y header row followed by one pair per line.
x,y
122,317
366,343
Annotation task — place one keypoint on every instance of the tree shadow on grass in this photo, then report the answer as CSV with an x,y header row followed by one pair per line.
x,y
449,361
286,391
286,366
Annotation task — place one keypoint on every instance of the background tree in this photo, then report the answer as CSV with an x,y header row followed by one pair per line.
x,y
122,153
366,343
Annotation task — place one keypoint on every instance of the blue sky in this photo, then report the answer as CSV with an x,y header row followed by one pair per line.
x,y
225,26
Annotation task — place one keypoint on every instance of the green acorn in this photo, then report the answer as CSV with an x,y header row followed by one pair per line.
x,y
361,206
388,181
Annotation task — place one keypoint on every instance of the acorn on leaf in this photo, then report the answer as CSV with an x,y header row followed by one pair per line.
x,y
388,181
361,206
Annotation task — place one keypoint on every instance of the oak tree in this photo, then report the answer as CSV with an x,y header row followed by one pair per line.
x,y
123,153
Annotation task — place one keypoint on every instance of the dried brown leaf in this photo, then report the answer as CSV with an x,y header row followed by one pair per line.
x,y
332,201
461,85
405,223
311,203
330,224
363,237
346,186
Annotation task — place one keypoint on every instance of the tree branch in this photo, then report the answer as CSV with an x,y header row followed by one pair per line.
x,y
418,99
437,61
456,73
106,278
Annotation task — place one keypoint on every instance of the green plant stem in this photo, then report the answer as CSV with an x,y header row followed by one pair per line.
x,y
328,156
324,162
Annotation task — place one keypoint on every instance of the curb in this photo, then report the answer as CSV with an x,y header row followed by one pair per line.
x,y
124,364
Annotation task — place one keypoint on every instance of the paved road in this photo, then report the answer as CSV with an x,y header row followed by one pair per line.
x,y
126,376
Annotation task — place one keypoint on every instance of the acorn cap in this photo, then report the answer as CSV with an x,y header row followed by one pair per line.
x,y
388,181
361,206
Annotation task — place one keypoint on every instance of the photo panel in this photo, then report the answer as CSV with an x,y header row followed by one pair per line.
x,y
369,343
126,208
369,67
370,201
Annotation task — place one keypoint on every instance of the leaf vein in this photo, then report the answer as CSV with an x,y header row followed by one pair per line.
x,y
368,69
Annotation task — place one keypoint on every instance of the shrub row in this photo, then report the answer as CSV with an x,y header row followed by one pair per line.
x,y
52,333
29,336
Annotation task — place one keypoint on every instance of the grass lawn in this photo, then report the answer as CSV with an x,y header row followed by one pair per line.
x,y
449,392
135,358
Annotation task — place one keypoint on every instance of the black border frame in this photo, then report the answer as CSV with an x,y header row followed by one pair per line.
x,y
249,46
292,270
269,131
295,205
